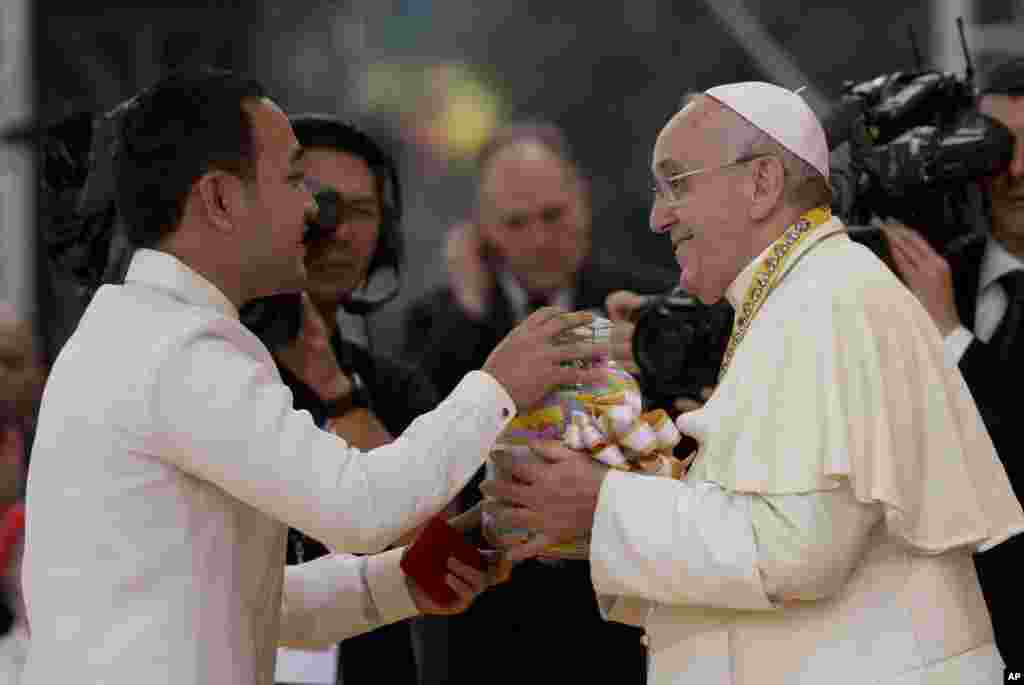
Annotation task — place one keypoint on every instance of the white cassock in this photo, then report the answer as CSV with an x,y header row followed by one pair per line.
x,y
825,531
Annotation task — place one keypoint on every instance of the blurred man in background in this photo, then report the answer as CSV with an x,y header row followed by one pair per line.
x,y
527,246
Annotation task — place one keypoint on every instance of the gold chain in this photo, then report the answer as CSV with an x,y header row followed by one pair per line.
x,y
769,273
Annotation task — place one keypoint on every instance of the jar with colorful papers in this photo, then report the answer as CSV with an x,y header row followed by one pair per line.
x,y
605,419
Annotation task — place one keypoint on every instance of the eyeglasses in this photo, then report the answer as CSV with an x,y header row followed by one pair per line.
x,y
675,191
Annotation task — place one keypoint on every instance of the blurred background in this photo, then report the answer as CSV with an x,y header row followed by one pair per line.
x,y
432,79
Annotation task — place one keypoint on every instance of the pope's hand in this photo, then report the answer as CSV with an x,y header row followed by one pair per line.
x,y
555,498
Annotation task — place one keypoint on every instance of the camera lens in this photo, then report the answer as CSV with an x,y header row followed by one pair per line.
x,y
661,343
678,345
328,216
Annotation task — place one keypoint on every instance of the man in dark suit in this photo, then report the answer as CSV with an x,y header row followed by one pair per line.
x,y
977,301
528,246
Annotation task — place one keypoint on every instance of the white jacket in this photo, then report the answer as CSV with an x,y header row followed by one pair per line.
x,y
168,462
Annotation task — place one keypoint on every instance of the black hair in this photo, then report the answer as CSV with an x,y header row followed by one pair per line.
x,y
171,134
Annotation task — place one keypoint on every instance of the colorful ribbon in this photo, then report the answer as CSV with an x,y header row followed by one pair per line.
x,y
616,433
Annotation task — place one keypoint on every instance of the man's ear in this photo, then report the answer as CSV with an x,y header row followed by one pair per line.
x,y
222,198
767,184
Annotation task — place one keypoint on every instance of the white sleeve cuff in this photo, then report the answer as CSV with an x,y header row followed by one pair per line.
x,y
324,601
388,590
484,384
675,542
956,344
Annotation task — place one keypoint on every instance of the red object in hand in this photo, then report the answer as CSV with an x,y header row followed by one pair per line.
x,y
426,560
12,525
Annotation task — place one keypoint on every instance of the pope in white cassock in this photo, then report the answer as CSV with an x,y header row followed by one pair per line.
x,y
844,477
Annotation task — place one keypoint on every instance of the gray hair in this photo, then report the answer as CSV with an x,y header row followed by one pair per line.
x,y
804,185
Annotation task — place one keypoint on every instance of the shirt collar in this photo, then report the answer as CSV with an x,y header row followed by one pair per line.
x,y
164,271
737,290
519,300
996,262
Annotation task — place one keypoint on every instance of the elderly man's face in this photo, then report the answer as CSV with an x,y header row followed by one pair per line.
x,y
1006,191
705,215
534,216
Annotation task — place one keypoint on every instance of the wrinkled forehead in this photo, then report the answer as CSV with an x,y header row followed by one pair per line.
x,y
692,138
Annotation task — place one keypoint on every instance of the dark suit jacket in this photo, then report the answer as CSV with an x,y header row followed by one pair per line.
x,y
985,376
999,568
543,625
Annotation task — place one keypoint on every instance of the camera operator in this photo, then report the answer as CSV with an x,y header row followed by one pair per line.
x,y
976,299
356,242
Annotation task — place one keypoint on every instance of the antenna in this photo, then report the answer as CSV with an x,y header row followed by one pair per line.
x,y
969,70
913,44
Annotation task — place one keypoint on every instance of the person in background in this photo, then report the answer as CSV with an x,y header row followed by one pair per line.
x,y
356,185
22,375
